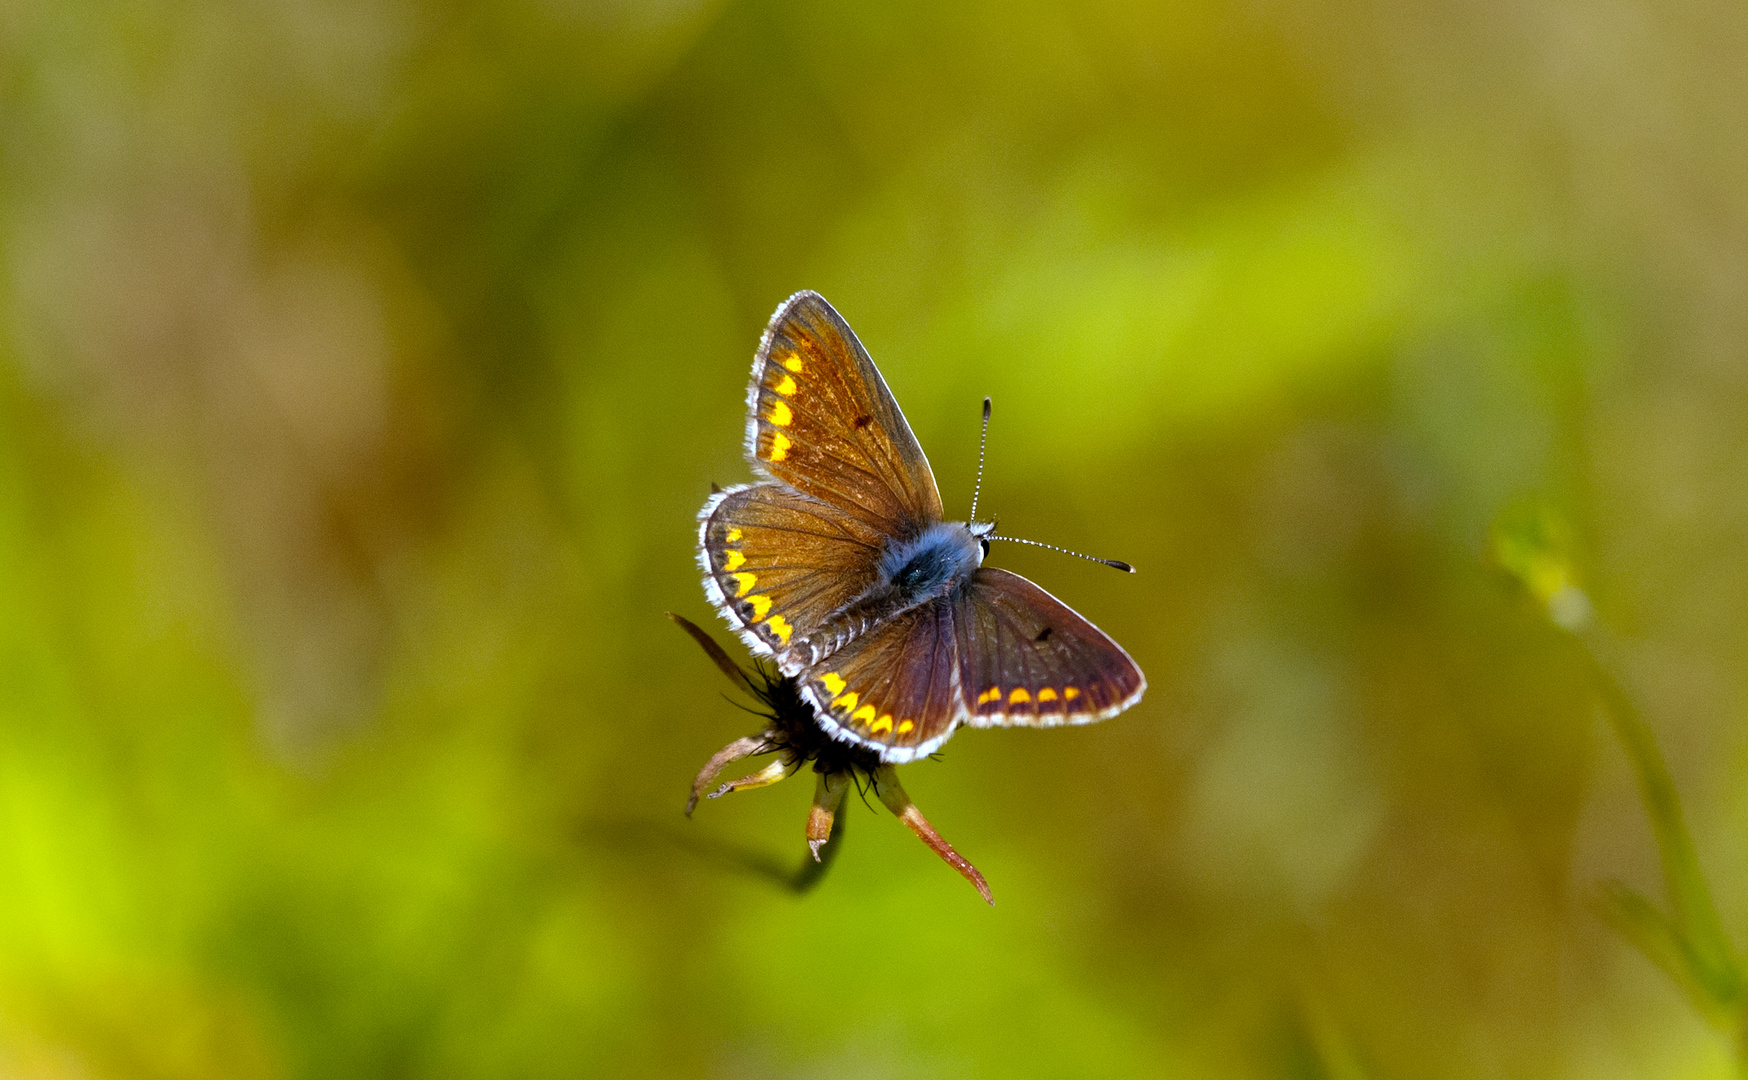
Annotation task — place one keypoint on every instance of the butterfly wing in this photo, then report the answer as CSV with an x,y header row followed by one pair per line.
x,y
821,420
998,652
777,562
1027,659
894,689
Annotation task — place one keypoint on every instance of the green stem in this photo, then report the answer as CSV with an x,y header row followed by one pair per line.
x,y
1706,952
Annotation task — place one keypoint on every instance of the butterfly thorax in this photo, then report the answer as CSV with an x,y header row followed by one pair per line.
x,y
934,563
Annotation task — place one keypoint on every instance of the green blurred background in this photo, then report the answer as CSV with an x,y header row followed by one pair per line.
x,y
363,364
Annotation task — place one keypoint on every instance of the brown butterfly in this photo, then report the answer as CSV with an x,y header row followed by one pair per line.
x,y
841,568
887,630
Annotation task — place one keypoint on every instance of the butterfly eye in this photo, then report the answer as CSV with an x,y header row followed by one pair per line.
x,y
984,544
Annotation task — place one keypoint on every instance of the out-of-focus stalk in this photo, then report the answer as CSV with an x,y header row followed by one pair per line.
x,y
1690,944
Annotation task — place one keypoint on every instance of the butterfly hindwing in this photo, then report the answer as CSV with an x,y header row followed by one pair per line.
x,y
1027,659
895,688
776,563
996,652
821,420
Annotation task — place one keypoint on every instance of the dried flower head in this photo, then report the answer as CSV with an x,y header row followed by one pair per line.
x,y
793,734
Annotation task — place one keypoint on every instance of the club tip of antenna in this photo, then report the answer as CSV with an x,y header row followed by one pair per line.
x,y
986,408
1119,564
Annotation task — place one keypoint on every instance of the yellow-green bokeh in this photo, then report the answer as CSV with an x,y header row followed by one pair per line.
x,y
363,366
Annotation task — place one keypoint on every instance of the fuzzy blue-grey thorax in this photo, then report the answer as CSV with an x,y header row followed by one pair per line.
x,y
934,564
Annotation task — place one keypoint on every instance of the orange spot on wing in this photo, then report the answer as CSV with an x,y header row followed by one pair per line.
x,y
882,725
1070,693
761,604
746,580
793,363
733,536
1046,694
904,726
780,445
1019,696
780,626
780,414
786,387
989,695
865,714
733,560
845,700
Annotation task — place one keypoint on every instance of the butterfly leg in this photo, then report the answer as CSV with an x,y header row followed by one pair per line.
x,y
828,795
720,760
892,794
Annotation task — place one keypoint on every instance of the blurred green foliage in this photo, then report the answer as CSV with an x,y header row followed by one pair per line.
x,y
363,366
1531,545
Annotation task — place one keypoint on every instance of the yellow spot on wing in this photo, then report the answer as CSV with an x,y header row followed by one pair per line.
x,y
786,387
846,700
746,580
780,414
780,626
733,560
733,536
834,684
904,726
1019,695
780,445
883,724
989,695
761,604
1070,693
794,363
1047,694
864,714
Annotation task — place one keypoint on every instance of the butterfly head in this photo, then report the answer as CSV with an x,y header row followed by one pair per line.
x,y
982,532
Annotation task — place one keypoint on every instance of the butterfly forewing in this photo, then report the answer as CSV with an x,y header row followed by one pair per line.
x,y
822,420
1027,659
777,563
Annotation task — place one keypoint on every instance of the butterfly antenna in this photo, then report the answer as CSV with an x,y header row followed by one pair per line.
x,y
982,444
1114,563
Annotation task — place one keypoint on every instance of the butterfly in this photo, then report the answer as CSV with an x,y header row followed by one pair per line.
x,y
839,565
